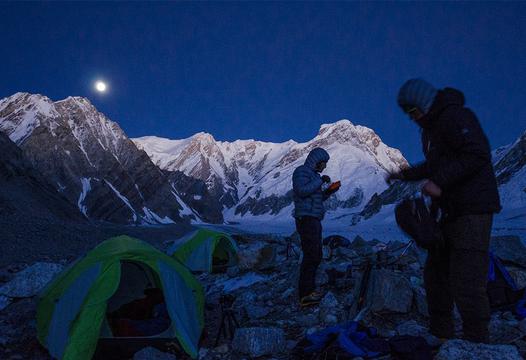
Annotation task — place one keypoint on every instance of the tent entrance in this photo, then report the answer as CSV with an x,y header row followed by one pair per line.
x,y
223,256
138,307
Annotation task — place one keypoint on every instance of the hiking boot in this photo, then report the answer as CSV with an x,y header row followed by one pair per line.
x,y
313,298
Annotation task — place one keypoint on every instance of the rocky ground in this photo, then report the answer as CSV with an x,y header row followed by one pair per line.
x,y
260,293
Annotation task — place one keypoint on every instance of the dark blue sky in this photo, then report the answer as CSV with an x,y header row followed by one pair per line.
x,y
269,71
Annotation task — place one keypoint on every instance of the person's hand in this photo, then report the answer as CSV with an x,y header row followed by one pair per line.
x,y
431,189
326,179
394,176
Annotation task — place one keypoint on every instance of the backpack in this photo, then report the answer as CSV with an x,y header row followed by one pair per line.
x,y
416,219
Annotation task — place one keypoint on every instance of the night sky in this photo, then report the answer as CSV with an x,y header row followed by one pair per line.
x,y
269,71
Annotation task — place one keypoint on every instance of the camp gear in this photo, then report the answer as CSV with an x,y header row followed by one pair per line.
x,y
205,250
72,309
415,218
502,290
350,339
228,324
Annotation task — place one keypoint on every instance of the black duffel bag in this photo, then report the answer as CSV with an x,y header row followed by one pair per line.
x,y
416,219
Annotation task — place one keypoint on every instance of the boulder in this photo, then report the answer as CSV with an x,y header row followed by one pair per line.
x,y
389,292
256,341
510,249
518,275
258,256
501,332
4,302
329,308
151,353
30,281
420,300
412,328
465,350
522,326
255,312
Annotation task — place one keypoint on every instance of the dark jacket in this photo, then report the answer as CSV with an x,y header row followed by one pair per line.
x,y
458,157
306,185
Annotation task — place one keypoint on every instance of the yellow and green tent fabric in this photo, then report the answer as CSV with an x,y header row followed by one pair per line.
x,y
72,308
201,249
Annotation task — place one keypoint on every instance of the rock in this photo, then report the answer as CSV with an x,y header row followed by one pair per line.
x,y
203,352
329,301
421,301
349,299
465,350
259,341
287,293
151,353
510,249
522,326
518,275
255,312
503,333
30,281
329,308
361,246
307,321
258,256
330,319
345,253
389,292
245,297
4,302
412,328
322,278
233,271
222,349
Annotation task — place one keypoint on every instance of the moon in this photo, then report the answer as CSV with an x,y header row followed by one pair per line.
x,y
101,86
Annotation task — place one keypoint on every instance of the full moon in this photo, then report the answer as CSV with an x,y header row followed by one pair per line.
x,y
100,86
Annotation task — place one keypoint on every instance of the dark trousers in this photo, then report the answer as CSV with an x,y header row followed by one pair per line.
x,y
456,273
309,229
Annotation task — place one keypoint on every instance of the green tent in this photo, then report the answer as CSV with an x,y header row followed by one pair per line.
x,y
205,250
72,309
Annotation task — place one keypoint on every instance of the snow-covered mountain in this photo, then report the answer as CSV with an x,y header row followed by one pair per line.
x,y
510,168
251,178
90,160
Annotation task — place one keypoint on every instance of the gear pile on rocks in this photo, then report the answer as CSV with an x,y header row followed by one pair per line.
x,y
252,309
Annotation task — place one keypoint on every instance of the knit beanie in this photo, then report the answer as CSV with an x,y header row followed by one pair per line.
x,y
418,93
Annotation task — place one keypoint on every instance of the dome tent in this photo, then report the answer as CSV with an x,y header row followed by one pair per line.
x,y
205,250
72,309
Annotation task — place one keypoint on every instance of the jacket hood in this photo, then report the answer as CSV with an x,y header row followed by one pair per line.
x,y
445,97
315,156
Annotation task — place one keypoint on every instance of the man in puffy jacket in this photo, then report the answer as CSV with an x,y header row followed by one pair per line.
x,y
308,212
459,176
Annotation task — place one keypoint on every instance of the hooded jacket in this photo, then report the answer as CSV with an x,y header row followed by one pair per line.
x,y
458,157
306,186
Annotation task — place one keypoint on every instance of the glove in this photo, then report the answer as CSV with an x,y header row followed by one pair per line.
x,y
326,179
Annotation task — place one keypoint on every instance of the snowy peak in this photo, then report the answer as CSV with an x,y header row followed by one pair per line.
x,y
90,160
22,113
253,178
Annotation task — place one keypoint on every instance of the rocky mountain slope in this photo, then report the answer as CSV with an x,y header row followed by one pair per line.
x,y
252,179
90,160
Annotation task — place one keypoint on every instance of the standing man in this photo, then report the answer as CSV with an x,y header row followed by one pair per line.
x,y
308,212
460,178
